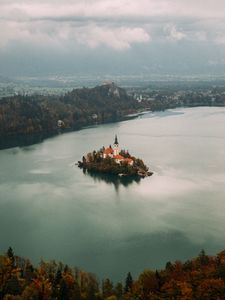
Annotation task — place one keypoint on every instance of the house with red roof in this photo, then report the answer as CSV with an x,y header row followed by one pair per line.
x,y
108,152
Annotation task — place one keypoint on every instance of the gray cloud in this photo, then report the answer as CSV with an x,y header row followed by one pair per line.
x,y
107,8
134,27
123,22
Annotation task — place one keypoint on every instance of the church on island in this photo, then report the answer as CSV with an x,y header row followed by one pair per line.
x,y
115,161
114,152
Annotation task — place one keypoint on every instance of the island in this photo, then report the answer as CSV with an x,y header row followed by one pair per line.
x,y
112,160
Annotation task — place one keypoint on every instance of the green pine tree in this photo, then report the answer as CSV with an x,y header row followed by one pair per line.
x,y
128,282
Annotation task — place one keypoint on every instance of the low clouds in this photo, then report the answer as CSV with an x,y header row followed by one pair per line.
x,y
97,8
64,35
114,25
220,39
117,38
110,9
117,24
173,34
90,23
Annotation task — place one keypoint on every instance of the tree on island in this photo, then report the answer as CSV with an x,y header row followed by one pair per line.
x,y
94,162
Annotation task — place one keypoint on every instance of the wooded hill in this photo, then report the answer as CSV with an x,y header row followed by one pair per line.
x,y
24,115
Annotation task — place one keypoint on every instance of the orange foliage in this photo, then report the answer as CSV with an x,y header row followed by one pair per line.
x,y
202,278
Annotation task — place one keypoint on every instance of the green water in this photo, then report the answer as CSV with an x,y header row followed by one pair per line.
x,y
49,209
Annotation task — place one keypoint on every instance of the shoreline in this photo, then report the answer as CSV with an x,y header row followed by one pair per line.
x,y
23,140
87,168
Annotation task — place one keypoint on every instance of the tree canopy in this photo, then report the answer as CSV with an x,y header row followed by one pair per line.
x,y
202,278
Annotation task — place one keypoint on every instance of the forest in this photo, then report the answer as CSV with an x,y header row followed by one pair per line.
x,y
30,115
27,115
201,278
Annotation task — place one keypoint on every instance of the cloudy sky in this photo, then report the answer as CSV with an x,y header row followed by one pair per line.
x,y
112,36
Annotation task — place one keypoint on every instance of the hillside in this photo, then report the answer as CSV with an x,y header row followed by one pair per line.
x,y
27,115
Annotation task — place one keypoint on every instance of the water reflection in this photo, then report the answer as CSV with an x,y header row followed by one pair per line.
x,y
21,141
26,140
113,179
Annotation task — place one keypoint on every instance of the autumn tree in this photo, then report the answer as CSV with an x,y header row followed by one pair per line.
x,y
212,289
107,288
118,290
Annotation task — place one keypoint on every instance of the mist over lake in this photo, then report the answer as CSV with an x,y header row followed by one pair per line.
x,y
50,209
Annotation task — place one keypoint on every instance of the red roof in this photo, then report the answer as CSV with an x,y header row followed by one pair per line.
x,y
118,157
108,151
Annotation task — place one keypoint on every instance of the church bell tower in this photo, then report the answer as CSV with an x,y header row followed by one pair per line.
x,y
116,147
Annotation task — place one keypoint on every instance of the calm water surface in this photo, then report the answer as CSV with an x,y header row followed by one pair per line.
x,y
49,209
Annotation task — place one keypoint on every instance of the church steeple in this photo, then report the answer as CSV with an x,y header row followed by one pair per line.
x,y
116,140
116,150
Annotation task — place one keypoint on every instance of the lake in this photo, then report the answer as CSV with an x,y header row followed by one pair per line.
x,y
50,209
